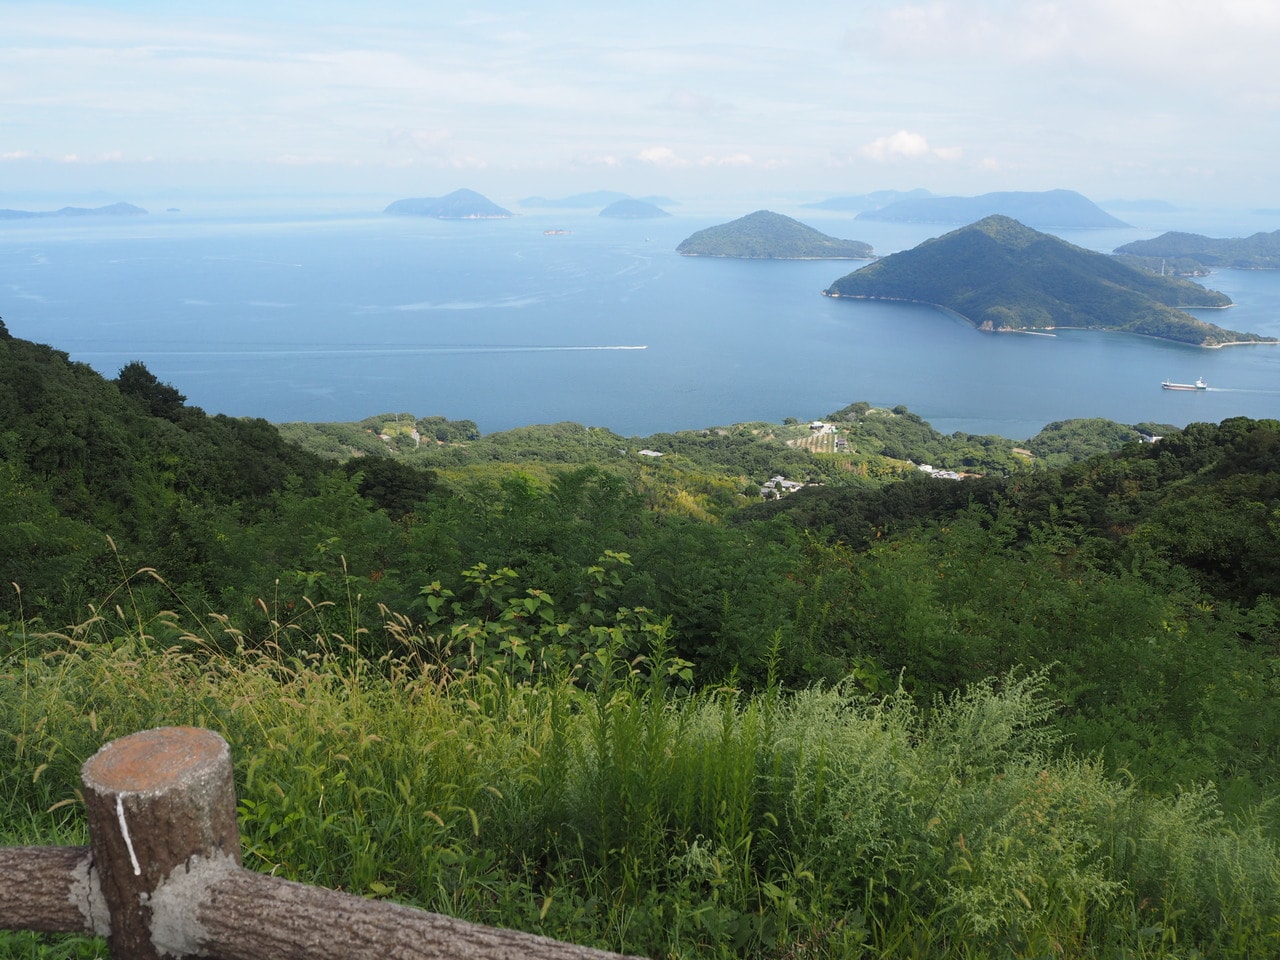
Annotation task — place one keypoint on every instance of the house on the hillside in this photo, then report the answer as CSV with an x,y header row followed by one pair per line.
x,y
776,487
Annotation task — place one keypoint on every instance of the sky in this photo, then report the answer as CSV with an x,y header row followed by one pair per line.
x,y
698,101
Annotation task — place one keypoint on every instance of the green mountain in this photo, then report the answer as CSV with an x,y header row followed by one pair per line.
x,y
459,205
1003,276
1258,252
1049,208
765,235
630,209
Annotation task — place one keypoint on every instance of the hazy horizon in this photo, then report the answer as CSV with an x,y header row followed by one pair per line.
x,y
165,102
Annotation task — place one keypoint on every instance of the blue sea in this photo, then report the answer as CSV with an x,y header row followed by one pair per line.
x,y
341,317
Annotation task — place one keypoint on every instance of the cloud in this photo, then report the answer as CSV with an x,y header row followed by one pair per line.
x,y
1155,39
662,157
668,159
905,145
733,160
427,142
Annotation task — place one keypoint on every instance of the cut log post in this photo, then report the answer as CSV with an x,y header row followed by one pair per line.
x,y
156,801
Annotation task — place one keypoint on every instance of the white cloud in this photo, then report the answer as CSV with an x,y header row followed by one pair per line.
x,y
661,157
905,145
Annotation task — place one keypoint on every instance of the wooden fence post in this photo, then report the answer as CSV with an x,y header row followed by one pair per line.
x,y
156,801
162,877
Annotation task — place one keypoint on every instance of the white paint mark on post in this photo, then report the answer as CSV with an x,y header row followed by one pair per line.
x,y
124,832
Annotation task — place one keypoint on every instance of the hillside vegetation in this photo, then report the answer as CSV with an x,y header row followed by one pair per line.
x,y
1003,276
1258,252
543,680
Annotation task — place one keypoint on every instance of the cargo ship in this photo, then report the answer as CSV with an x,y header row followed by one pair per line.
x,y
1198,385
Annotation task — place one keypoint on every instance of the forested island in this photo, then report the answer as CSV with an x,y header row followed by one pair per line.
x,y
765,235
459,205
1258,252
603,689
1003,276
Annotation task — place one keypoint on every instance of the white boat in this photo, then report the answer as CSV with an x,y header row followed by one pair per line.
x,y
1198,385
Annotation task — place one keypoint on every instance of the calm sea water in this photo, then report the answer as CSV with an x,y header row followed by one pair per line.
x,y
346,317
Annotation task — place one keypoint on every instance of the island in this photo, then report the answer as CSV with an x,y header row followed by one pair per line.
x,y
1060,209
579,201
595,198
856,203
765,235
1258,252
459,205
630,209
111,210
1001,275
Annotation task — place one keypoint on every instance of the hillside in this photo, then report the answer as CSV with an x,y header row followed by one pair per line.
x,y
765,235
1003,276
601,689
459,205
1258,252
1060,209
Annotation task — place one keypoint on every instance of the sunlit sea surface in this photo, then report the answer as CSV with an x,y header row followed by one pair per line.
x,y
344,317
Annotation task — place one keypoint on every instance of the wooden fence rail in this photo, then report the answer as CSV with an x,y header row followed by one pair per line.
x,y
162,877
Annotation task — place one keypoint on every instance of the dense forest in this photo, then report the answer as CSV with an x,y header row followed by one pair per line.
x,y
1261,251
607,690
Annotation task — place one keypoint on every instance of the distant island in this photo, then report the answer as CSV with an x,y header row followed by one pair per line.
x,y
1001,275
1062,209
1258,252
111,210
459,205
630,209
765,235
1141,205
857,203
595,199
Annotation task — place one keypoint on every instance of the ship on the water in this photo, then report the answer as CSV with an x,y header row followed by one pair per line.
x,y
1198,385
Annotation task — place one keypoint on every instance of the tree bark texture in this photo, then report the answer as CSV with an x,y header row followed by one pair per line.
x,y
252,916
50,889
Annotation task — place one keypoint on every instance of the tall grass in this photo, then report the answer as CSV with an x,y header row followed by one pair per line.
x,y
605,803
